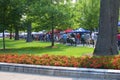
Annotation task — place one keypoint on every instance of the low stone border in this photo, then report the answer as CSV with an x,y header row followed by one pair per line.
x,y
101,74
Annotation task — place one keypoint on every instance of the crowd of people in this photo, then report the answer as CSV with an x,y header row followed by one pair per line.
x,y
72,38
80,38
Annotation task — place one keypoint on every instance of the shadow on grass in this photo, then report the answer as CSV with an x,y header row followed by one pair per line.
x,y
40,48
35,50
12,42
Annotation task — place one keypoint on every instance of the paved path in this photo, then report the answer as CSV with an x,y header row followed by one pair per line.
x,y
22,76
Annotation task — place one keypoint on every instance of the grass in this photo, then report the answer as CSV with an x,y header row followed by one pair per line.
x,y
40,48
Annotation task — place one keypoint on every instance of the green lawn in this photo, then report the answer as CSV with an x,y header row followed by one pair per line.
x,y
40,48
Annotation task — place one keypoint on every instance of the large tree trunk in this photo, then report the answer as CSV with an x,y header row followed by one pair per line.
x,y
107,42
29,29
16,33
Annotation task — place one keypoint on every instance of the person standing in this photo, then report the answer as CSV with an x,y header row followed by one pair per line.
x,y
118,40
78,38
94,38
64,38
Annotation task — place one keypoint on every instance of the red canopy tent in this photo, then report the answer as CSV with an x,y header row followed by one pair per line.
x,y
68,30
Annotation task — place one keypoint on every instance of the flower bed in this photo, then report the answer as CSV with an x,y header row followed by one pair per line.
x,y
104,62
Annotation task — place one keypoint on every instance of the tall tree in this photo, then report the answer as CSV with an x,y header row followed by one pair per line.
x,y
107,43
89,13
15,11
29,13
4,15
53,14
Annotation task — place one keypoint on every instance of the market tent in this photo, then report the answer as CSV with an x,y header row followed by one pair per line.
x,y
34,33
40,32
68,30
81,30
118,23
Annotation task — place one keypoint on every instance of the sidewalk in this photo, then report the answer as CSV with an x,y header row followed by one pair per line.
x,y
23,76
80,45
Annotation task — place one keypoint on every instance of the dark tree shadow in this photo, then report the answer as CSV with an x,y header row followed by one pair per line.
x,y
35,50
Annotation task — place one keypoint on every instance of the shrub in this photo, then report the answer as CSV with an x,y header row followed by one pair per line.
x,y
103,62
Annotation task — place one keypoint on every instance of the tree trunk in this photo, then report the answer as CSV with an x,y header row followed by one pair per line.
x,y
52,36
16,33
29,29
52,24
3,38
107,42
11,33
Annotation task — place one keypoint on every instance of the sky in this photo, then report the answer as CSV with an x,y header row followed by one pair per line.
x,y
74,1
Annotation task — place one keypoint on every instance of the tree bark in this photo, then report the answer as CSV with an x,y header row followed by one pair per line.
x,y
16,33
11,33
107,42
52,24
3,38
52,36
29,29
